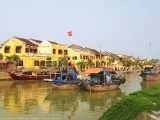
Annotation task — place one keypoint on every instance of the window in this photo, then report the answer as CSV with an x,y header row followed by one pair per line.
x,y
36,63
18,49
35,50
42,63
74,57
7,49
54,51
48,58
65,52
60,52
27,50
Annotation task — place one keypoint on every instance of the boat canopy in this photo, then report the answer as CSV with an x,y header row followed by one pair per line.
x,y
98,70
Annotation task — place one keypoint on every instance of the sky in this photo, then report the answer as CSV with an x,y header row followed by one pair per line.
x,y
129,27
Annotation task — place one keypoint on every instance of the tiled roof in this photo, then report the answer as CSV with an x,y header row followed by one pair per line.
x,y
112,55
52,42
26,41
74,46
93,70
38,41
93,50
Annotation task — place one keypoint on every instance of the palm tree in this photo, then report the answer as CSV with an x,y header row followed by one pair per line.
x,y
110,62
13,59
81,65
90,63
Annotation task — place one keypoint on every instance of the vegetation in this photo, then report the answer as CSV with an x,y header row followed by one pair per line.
x,y
13,59
63,61
90,63
131,106
81,65
98,63
49,63
54,63
126,62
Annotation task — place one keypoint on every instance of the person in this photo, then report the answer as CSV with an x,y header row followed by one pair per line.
x,y
72,67
108,77
72,72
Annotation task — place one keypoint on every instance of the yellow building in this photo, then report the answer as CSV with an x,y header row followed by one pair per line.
x,y
77,53
34,53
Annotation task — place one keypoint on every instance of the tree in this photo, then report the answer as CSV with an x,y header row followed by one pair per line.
x,y
63,61
54,63
13,59
126,62
110,61
90,63
81,65
48,63
98,63
154,61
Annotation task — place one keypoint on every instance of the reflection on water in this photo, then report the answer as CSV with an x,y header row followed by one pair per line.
x,y
133,83
36,99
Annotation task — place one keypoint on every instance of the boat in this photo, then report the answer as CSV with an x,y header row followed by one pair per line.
x,y
32,74
66,81
102,79
150,73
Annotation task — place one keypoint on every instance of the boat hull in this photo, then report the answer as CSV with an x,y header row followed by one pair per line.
x,y
101,88
29,77
65,86
151,77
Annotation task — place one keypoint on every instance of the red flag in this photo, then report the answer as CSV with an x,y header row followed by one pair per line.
x,y
69,33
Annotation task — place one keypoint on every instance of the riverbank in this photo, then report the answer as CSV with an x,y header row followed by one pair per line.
x,y
132,106
4,76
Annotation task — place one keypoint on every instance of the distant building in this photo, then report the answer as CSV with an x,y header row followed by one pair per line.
x,y
33,53
77,53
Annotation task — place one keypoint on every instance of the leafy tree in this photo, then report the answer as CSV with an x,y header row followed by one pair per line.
x,y
110,61
154,61
90,63
63,61
81,65
98,63
126,62
54,63
48,63
13,59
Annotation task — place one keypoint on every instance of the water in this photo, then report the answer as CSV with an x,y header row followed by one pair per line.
x,y
37,100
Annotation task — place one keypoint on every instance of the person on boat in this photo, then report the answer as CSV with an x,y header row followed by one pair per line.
x,y
108,77
72,72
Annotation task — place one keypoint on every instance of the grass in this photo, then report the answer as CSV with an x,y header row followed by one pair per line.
x,y
131,106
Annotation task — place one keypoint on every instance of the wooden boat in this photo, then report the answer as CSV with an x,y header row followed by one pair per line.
x,y
32,74
58,86
101,88
66,81
151,77
103,80
150,74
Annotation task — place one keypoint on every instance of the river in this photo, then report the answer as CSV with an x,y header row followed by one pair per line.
x,y
36,100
